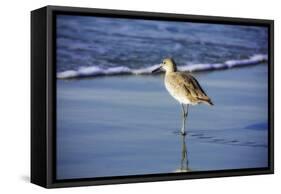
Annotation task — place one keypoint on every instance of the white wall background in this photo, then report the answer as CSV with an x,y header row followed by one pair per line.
x,y
15,94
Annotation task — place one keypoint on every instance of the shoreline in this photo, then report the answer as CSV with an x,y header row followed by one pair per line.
x,y
95,71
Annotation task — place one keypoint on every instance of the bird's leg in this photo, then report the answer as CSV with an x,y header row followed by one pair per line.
x,y
184,115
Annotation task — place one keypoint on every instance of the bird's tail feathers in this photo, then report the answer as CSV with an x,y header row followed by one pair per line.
x,y
207,101
210,103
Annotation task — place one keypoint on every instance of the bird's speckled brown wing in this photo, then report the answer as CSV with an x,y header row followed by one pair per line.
x,y
194,91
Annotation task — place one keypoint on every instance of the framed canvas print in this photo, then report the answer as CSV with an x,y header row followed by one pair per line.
x,y
126,96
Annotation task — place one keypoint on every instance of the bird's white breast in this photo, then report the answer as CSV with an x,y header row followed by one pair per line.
x,y
176,92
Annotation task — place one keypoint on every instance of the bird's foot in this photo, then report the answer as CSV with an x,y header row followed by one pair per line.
x,y
179,132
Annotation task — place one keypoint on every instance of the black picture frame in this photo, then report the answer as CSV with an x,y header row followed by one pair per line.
x,y
43,96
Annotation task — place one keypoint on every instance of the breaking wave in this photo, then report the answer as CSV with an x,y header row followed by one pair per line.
x,y
94,71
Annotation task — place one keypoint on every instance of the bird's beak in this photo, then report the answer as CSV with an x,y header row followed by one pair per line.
x,y
157,69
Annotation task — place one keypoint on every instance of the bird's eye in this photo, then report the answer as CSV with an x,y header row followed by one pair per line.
x,y
164,62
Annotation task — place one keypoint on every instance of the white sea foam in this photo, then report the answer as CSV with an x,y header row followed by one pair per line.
x,y
94,71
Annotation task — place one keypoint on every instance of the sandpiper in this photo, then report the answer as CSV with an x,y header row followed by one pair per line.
x,y
183,87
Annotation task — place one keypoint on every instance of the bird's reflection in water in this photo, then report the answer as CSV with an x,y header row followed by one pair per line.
x,y
184,156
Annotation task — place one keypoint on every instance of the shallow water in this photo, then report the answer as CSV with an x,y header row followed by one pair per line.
x,y
126,125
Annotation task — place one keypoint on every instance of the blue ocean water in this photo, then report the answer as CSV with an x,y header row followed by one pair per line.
x,y
89,45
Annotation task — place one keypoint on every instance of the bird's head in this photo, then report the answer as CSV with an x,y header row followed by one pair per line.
x,y
168,64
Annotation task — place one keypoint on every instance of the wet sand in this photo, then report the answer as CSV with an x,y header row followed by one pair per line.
x,y
127,125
